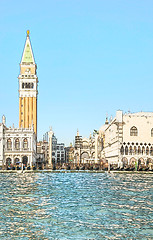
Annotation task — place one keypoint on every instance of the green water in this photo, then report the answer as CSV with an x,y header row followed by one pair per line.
x,y
76,206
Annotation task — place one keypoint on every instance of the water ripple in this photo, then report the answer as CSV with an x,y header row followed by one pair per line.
x,y
76,206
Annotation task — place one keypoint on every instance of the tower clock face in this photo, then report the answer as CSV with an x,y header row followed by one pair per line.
x,y
27,70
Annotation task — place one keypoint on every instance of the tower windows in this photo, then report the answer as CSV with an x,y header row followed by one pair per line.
x,y
133,131
27,85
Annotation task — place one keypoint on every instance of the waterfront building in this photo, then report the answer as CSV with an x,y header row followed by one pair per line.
x,y
86,150
17,145
43,151
28,85
128,139
56,150
69,154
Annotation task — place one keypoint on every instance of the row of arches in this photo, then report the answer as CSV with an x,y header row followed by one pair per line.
x,y
17,144
133,161
85,155
10,161
136,150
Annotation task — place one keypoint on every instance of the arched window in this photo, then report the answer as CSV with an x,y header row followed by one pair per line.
x,y
126,150
152,132
22,85
25,160
16,160
139,150
147,150
130,150
135,150
9,144
17,144
133,131
8,161
122,150
25,144
143,150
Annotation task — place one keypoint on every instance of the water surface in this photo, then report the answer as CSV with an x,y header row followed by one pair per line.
x,y
76,206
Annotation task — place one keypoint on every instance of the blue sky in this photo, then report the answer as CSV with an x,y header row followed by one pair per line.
x,y
93,57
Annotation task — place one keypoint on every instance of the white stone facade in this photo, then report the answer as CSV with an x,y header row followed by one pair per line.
x,y
128,139
86,150
17,145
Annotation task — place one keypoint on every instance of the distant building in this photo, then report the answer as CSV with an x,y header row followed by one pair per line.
x,y
43,151
45,137
128,139
69,154
56,150
17,145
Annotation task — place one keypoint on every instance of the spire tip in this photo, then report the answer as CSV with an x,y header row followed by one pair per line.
x,y
28,33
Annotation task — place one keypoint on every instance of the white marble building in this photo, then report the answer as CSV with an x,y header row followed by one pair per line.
x,y
17,145
128,139
87,150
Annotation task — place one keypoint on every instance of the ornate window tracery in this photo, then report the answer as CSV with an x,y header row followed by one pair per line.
x,y
133,131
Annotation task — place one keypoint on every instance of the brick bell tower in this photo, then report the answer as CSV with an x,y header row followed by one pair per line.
x,y
28,84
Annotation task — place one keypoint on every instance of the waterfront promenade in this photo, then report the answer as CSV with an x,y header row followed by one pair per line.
x,y
75,171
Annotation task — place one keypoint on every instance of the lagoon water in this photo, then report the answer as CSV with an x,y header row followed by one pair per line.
x,y
76,206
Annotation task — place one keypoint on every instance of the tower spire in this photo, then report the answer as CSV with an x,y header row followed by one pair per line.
x,y
28,82
27,56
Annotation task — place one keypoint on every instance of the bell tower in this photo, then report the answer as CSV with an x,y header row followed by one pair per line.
x,y
28,84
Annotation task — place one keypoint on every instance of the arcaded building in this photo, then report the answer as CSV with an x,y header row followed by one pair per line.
x,y
128,139
17,145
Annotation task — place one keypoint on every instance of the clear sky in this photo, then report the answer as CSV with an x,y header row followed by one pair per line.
x,y
93,57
